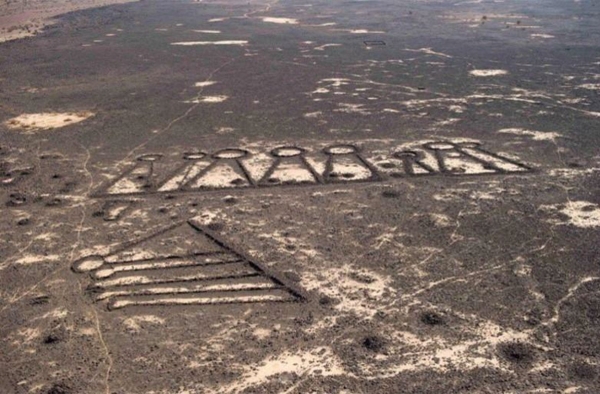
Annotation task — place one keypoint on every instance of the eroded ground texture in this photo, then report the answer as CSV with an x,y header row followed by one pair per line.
x,y
303,197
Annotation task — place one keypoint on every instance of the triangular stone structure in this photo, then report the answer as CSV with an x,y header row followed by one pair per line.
x,y
185,264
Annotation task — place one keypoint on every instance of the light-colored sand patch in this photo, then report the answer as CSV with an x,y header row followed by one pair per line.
x,y
37,259
535,135
58,313
284,241
447,122
336,82
572,172
204,84
441,220
352,108
573,100
359,291
135,323
541,35
208,99
88,331
261,333
217,20
225,42
18,34
213,99
590,86
208,31
25,336
208,217
487,73
322,47
582,214
365,31
477,352
425,103
313,114
429,51
47,236
46,120
320,91
225,130
303,363
456,109
289,21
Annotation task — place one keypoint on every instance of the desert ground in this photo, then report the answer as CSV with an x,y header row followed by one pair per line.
x,y
324,197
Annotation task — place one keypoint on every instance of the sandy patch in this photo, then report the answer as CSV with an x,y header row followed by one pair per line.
x,y
487,73
288,21
303,363
208,31
429,51
37,259
135,323
46,120
578,213
208,99
352,108
204,84
322,47
590,86
535,135
226,42
540,35
313,114
363,31
261,333
360,292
